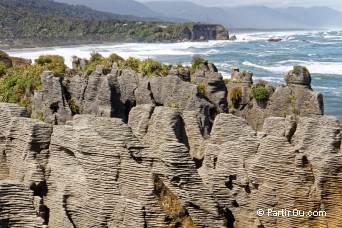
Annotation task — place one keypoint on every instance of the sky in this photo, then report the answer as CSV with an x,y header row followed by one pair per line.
x,y
335,4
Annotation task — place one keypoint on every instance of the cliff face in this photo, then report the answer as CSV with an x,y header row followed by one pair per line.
x,y
209,32
157,152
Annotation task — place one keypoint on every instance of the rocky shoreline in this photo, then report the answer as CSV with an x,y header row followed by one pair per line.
x,y
119,148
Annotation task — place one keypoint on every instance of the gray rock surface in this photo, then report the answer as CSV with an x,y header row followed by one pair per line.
x,y
114,92
7,113
247,173
50,103
176,163
295,98
19,208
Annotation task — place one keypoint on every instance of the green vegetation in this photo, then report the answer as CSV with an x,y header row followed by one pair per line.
x,y
197,60
2,69
174,105
283,114
53,8
293,101
54,63
132,63
97,59
73,106
31,23
299,69
149,67
260,93
235,94
202,88
40,116
19,83
115,58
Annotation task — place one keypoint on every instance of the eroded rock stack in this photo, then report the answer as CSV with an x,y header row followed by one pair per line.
x,y
294,98
135,151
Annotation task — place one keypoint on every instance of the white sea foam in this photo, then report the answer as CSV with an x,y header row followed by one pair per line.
x,y
313,67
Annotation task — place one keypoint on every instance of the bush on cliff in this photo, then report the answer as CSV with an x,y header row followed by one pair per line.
x,y
149,67
132,63
197,60
235,95
19,83
2,69
299,69
152,67
260,93
97,59
202,88
54,63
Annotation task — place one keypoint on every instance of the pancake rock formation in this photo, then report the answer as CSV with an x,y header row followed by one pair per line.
x,y
120,149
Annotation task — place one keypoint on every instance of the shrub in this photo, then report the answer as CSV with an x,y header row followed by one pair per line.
x,y
150,66
235,94
131,62
2,69
115,58
202,88
298,69
40,116
54,63
95,60
19,83
260,93
197,60
73,106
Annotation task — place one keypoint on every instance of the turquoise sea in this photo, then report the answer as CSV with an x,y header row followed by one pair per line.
x,y
319,51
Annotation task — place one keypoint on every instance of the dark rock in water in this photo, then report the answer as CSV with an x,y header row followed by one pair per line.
x,y
233,38
274,40
208,32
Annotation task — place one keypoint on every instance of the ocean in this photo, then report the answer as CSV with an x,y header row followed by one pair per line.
x,y
319,51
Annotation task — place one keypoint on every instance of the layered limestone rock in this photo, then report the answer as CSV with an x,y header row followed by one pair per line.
x,y
19,208
121,149
295,98
214,89
248,172
160,171
113,92
50,103
121,182
24,155
7,113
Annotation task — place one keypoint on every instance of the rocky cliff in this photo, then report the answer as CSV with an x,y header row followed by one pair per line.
x,y
122,149
202,32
